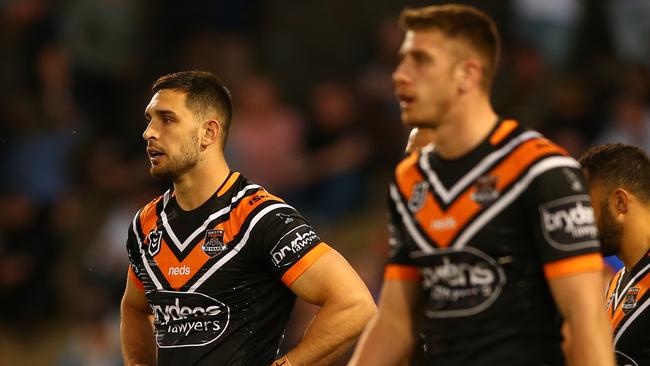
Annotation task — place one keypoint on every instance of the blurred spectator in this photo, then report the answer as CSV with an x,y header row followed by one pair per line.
x,y
630,122
339,149
266,140
550,26
629,26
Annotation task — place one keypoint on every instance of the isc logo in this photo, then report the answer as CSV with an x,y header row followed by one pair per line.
x,y
179,271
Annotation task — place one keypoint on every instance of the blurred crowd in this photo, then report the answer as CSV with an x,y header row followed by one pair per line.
x,y
315,122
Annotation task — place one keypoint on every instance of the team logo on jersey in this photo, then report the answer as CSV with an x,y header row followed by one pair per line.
x,y
568,223
461,282
213,243
153,241
291,246
187,319
630,300
418,196
486,190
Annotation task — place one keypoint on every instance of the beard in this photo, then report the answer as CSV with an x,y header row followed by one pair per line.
x,y
611,232
177,167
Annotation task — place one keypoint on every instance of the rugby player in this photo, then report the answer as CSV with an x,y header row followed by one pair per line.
x,y
217,261
493,240
619,185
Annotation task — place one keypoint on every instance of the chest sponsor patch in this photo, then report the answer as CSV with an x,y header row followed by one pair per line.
x,y
187,319
461,282
292,244
568,223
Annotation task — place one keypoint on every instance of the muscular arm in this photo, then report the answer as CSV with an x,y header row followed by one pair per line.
x,y
579,298
388,340
346,307
136,329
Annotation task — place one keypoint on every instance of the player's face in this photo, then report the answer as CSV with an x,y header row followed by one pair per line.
x,y
611,231
171,134
424,78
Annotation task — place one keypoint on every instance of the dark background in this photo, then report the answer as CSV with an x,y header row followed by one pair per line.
x,y
315,122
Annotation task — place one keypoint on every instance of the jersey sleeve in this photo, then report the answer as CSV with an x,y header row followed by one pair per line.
x,y
287,244
400,265
135,259
562,219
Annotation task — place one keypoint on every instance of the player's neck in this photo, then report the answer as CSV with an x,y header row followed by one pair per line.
x,y
199,184
630,255
635,242
465,127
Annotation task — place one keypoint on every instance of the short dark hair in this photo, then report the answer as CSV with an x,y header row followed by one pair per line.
x,y
619,165
205,95
463,22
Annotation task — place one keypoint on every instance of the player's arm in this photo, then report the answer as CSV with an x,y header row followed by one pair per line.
x,y
346,308
583,311
388,339
136,329
566,235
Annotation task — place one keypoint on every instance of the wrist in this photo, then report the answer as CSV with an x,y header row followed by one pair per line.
x,y
282,361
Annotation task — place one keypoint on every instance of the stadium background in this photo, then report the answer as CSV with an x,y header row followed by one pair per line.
x,y
315,122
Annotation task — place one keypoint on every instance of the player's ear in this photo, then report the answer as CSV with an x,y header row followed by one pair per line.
x,y
210,135
470,74
621,200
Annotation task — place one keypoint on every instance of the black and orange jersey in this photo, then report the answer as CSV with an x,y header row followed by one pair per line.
x,y
483,233
628,296
217,278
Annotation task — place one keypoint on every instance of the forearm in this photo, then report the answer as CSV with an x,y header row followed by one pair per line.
x,y
136,330
591,342
332,332
384,343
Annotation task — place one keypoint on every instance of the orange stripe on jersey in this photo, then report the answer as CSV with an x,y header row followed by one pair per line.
x,y
407,164
643,285
226,186
503,131
612,287
592,262
305,262
401,273
149,216
464,208
178,273
134,279
239,214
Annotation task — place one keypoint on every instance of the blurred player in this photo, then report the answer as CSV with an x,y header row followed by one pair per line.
x,y
493,239
217,260
619,184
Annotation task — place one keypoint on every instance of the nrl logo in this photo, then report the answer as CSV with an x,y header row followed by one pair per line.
x,y
153,239
213,243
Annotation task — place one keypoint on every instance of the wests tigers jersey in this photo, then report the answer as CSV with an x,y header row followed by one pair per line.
x,y
217,277
482,234
627,301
